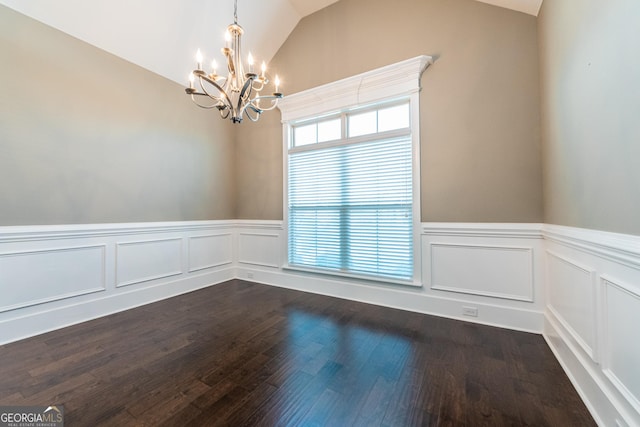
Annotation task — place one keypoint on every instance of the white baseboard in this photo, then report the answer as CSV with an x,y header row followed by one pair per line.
x,y
393,296
606,408
502,278
592,316
74,312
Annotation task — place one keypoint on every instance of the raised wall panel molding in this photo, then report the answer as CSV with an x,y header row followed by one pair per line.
x,y
29,278
621,353
571,295
493,271
209,251
146,260
261,249
485,263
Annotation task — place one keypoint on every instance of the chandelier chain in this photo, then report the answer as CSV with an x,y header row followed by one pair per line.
x,y
235,12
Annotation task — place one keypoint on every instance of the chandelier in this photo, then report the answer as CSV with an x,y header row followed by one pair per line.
x,y
239,93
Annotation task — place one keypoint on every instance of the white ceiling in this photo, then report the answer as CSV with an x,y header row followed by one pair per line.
x,y
163,35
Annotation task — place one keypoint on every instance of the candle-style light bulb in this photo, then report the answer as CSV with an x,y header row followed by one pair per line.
x,y
214,67
250,61
264,68
277,82
191,80
199,59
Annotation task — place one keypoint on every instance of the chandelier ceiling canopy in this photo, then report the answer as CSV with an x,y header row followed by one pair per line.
x,y
240,93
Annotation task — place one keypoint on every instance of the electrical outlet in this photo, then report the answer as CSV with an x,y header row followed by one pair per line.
x,y
249,275
470,311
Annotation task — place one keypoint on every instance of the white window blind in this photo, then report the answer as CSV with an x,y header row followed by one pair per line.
x,y
350,200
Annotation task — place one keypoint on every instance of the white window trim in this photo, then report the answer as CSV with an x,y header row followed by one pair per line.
x,y
400,80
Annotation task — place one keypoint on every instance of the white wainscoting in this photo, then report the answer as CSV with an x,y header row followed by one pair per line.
x,y
580,288
506,293
55,276
593,315
495,265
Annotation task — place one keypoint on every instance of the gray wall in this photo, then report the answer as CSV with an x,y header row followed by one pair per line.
x,y
590,84
86,137
481,159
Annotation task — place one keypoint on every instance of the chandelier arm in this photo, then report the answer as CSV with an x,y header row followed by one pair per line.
x,y
224,99
206,107
222,80
273,98
245,94
217,98
274,104
247,87
253,119
251,107
258,87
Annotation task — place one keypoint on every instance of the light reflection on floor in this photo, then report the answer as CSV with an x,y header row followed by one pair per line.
x,y
331,359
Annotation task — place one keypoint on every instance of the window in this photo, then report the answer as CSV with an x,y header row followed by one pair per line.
x,y
352,175
322,131
350,201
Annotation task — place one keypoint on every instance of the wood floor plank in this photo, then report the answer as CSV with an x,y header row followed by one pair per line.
x,y
156,409
285,403
177,394
244,354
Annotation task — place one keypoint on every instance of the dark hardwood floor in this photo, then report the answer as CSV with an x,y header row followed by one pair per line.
x,y
247,354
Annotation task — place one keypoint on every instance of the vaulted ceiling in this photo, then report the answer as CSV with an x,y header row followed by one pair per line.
x,y
163,35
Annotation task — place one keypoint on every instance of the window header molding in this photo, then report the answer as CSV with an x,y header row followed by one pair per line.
x,y
401,78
